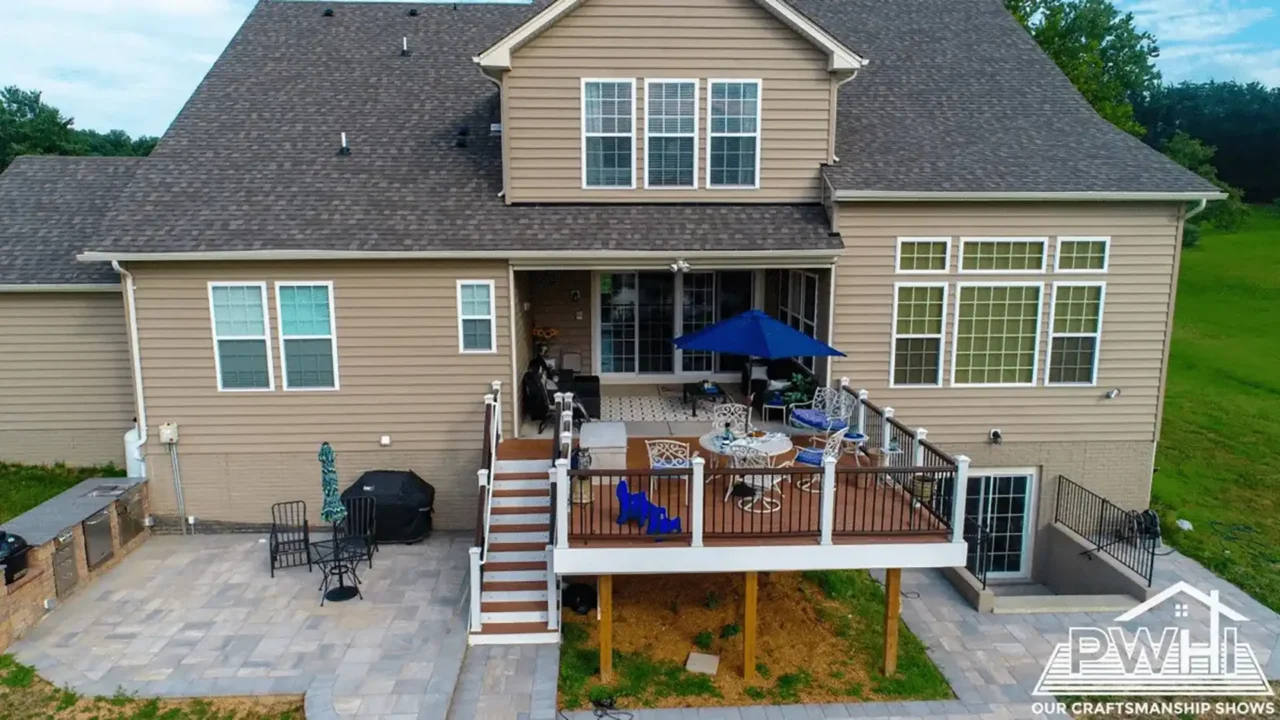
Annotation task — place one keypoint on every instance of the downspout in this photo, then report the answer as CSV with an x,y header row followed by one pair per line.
x,y
498,83
136,351
1199,208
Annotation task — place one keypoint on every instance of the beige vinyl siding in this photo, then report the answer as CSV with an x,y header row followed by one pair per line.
x,y
65,378
400,369
722,39
1144,241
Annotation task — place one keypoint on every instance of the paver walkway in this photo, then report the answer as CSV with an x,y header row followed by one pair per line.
x,y
993,661
507,682
200,616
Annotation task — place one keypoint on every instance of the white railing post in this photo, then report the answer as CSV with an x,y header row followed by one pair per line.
x,y
561,510
497,394
566,444
697,500
828,500
958,498
862,411
553,599
917,457
475,589
886,433
559,398
844,383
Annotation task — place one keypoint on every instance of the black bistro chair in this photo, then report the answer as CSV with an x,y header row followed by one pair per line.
x,y
362,525
290,541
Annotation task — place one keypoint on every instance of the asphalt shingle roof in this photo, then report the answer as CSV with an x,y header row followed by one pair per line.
x,y
957,97
50,209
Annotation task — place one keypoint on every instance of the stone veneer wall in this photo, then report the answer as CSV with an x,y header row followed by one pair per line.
x,y
22,603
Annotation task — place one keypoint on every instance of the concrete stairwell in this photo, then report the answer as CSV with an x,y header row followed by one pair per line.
x,y
514,603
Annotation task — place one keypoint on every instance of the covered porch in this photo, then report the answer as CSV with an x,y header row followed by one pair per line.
x,y
612,328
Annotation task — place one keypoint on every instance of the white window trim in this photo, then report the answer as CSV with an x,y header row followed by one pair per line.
x,y
1030,517
941,336
759,133
697,92
897,257
265,337
1044,255
582,124
955,334
1097,343
492,317
332,337
1106,253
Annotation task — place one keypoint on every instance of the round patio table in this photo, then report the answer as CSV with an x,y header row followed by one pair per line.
x,y
772,444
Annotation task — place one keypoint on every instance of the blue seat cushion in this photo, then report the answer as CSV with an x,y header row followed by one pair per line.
x,y
817,419
810,456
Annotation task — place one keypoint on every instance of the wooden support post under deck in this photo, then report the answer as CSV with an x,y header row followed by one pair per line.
x,y
892,607
605,594
749,630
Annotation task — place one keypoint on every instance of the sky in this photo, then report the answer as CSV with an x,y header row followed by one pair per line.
x,y
131,64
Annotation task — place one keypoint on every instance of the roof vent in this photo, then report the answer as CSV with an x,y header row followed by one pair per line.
x,y
328,12
404,48
345,149
413,12
461,139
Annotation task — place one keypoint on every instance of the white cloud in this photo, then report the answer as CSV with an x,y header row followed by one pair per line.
x,y
1178,21
1213,39
127,64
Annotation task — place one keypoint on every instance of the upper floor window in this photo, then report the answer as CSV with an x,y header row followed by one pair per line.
x,y
1075,331
308,338
1082,254
917,334
477,322
671,141
608,134
997,334
1002,255
733,132
921,255
241,349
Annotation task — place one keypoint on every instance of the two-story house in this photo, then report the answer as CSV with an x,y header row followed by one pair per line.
x,y
352,228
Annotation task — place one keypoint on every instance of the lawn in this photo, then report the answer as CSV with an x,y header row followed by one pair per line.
x,y
23,487
820,639
1219,456
24,696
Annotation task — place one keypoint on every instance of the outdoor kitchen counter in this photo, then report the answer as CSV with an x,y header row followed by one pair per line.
x,y
43,523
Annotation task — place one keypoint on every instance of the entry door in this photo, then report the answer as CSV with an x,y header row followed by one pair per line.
x,y
735,291
1002,503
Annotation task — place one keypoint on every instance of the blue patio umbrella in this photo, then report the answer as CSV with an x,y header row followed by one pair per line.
x,y
756,334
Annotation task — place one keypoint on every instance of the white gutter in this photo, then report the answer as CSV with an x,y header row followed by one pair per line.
x,y
135,349
1199,208
665,256
68,287
894,195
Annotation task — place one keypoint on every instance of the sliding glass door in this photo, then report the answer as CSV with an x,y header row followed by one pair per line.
x,y
640,313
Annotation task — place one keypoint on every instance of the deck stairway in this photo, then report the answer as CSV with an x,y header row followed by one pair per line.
x,y
514,605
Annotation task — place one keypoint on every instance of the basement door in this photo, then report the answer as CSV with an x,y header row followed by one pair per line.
x,y
1002,502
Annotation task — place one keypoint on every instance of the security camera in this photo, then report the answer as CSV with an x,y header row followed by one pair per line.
x,y
996,437
1112,394
675,267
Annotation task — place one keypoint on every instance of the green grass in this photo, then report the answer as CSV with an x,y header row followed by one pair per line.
x,y
639,680
1219,456
23,487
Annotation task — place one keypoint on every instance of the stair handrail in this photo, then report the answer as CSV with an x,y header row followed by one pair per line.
x,y
493,423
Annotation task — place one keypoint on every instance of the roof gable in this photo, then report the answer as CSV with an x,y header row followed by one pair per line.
x,y
839,57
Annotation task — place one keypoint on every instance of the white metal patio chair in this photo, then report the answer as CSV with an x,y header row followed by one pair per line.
x,y
737,417
763,484
668,455
833,447
830,410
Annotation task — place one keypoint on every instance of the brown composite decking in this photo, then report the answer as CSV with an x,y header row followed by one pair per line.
x,y
866,511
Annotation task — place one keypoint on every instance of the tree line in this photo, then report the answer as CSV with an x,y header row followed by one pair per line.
x,y
30,126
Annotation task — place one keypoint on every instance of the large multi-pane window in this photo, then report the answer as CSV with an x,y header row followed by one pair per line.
x,y
1082,254
733,131
608,129
1002,254
997,328
1075,332
917,334
798,306
923,255
242,348
671,141
308,339
477,331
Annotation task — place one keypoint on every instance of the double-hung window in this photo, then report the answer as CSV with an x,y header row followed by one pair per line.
x,y
1003,255
308,338
733,132
918,334
997,334
1082,254
608,133
477,331
671,140
1075,332
242,347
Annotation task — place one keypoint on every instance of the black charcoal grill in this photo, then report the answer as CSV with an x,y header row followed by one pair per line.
x,y
13,556
404,504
